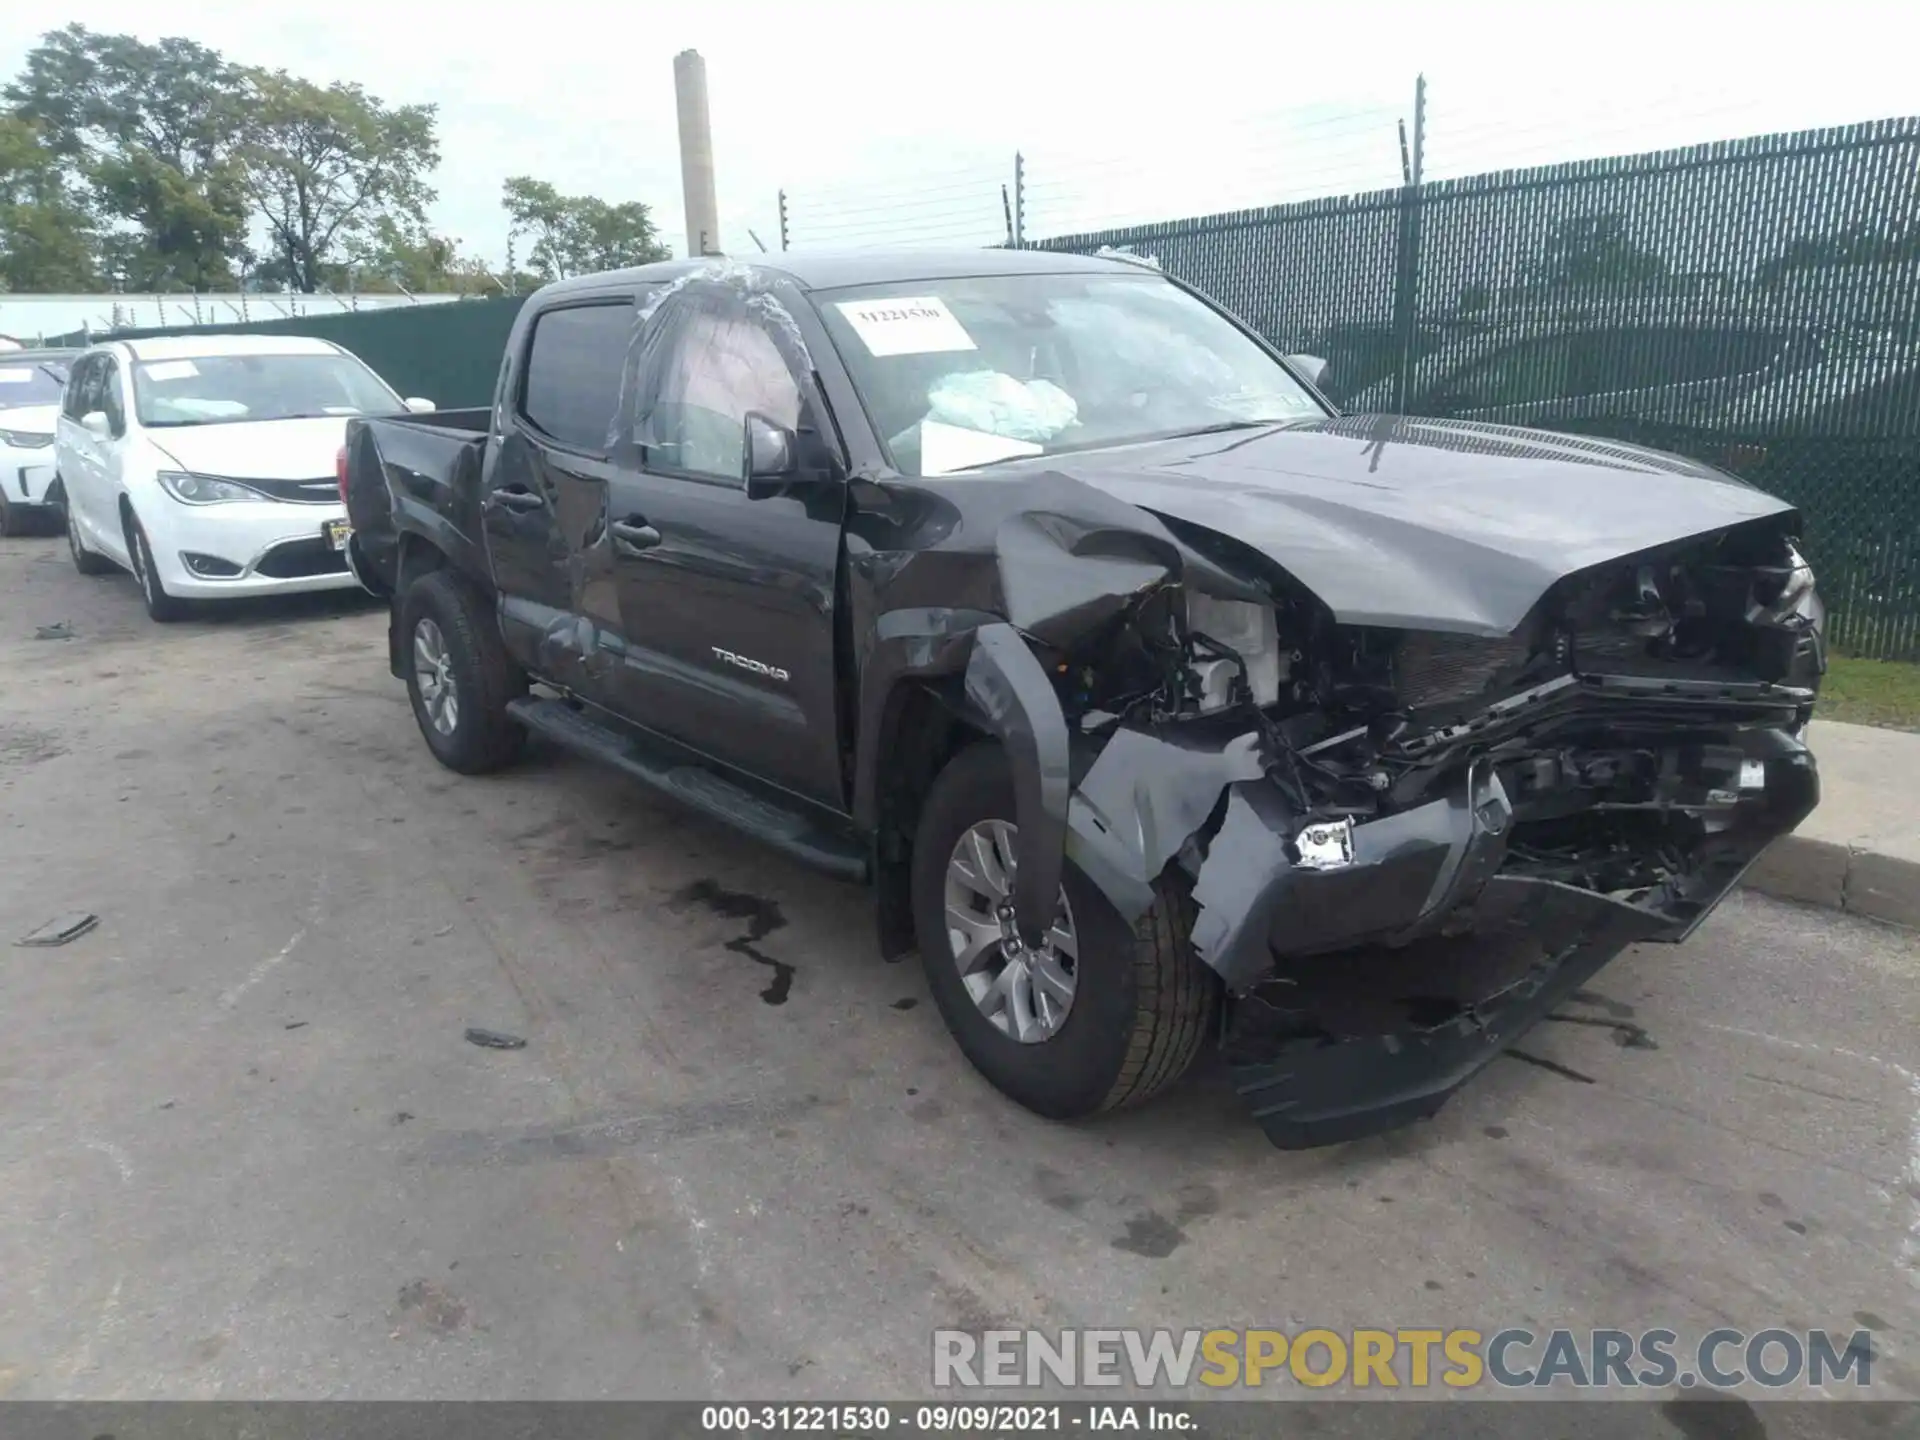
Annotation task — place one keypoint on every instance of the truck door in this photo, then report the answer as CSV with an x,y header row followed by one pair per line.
x,y
728,601
545,493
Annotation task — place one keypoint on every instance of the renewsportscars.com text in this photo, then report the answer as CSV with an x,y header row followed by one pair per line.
x,y
1458,1359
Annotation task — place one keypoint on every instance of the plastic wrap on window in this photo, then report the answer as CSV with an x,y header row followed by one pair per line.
x,y
751,285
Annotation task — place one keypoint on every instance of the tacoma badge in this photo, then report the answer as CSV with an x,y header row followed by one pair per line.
x,y
772,672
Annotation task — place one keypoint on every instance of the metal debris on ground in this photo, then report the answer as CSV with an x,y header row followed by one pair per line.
x,y
58,631
495,1040
60,930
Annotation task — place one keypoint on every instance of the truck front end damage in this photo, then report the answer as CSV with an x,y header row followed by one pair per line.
x,y
1407,847
1409,830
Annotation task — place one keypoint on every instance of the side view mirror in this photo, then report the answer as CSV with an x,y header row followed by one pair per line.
x,y
417,405
95,423
1311,366
772,458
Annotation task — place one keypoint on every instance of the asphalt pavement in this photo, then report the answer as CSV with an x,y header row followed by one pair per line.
x,y
247,1151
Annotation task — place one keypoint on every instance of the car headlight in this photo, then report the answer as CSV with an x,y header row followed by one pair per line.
x,y
1247,630
25,439
192,489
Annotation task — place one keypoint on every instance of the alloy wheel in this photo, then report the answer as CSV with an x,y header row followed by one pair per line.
x,y
1025,992
433,674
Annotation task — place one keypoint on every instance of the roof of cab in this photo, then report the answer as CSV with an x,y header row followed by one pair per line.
x,y
832,269
205,347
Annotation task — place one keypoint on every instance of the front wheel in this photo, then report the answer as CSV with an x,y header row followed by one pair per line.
x,y
1102,1014
459,675
163,608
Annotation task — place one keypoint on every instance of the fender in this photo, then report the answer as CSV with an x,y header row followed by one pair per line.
x,y
1007,690
1005,693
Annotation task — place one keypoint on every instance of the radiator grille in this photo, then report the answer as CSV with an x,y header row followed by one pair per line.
x,y
1432,669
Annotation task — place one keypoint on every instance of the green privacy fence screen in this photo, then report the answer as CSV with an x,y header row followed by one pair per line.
x,y
1753,303
448,352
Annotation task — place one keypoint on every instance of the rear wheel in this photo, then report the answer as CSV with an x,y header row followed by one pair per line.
x,y
84,560
161,606
459,675
1102,1014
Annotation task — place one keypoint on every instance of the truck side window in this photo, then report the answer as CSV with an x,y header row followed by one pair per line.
x,y
573,373
718,362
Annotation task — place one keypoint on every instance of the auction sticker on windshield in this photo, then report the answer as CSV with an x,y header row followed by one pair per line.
x,y
160,370
906,325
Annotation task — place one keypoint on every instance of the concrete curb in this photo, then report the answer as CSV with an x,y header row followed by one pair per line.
x,y
1839,877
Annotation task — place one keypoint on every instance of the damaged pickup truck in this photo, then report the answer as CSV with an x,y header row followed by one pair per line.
x,y
1163,706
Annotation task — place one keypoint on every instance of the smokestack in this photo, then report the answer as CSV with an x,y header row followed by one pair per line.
x,y
696,154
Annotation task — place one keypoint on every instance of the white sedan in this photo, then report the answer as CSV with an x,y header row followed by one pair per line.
x,y
30,382
205,464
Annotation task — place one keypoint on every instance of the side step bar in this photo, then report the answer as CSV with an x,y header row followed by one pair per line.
x,y
789,830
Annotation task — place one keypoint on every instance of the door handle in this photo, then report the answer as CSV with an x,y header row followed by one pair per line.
x,y
517,499
634,535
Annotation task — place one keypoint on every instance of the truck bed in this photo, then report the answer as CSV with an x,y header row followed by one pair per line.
x,y
414,473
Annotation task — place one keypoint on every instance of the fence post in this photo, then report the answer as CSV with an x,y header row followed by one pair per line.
x,y
783,219
1406,290
1019,201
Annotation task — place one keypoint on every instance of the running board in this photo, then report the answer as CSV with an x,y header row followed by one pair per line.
x,y
787,829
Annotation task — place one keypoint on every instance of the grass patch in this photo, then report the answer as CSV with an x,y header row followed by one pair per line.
x,y
1871,692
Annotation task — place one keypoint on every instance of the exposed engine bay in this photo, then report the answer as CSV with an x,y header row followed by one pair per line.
x,y
1354,806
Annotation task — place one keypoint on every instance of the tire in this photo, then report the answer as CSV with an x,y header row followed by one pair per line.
x,y
1142,1004
84,560
162,608
13,522
450,629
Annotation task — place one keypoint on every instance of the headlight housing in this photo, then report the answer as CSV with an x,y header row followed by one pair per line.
x,y
25,439
191,489
1249,631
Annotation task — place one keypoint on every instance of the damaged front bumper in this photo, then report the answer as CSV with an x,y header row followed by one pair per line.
x,y
1376,965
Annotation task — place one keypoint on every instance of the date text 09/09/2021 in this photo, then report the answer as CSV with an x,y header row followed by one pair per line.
x,y
941,1419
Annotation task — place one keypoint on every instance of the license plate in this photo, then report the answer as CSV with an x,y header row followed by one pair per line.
x,y
336,533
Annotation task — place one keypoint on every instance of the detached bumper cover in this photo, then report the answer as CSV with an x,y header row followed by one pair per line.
x,y
1541,939
1379,966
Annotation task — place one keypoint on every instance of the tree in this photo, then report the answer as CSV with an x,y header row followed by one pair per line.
x,y
147,131
395,256
46,234
325,165
578,234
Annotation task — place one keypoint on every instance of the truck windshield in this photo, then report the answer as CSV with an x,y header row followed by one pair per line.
x,y
960,373
224,389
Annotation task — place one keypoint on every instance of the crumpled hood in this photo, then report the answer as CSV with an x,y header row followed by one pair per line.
x,y
1421,524
256,449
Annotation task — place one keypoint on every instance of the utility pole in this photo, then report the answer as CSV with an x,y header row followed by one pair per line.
x,y
1019,201
1419,127
1406,289
783,220
696,154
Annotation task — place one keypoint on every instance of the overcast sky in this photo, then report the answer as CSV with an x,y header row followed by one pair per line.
x,y
899,121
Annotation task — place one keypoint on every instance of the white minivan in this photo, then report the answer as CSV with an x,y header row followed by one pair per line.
x,y
205,464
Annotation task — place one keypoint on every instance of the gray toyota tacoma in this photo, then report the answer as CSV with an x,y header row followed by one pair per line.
x,y
1162,706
